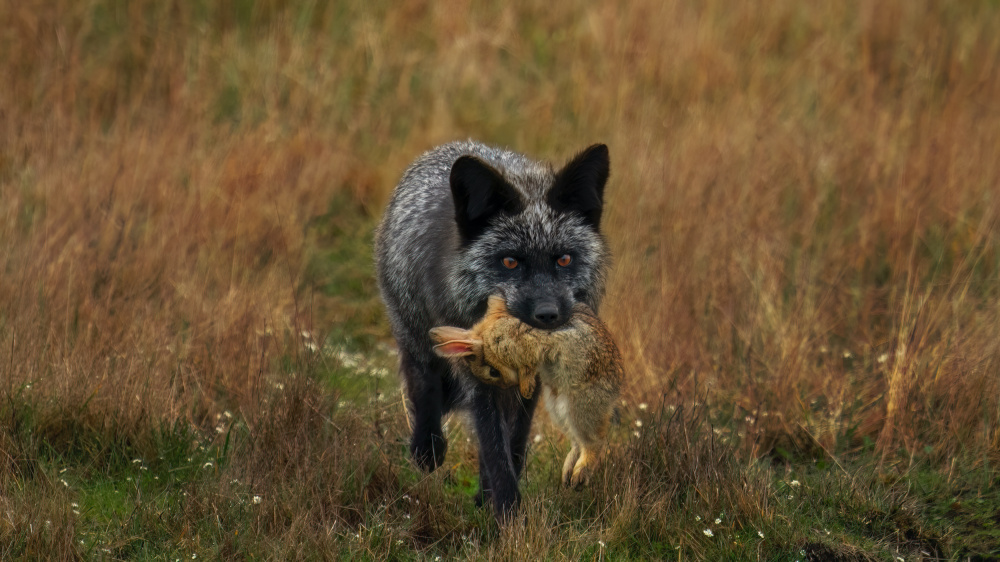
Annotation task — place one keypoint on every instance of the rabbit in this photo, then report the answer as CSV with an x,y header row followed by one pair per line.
x,y
579,367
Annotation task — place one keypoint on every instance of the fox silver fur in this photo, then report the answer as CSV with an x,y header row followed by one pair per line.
x,y
461,214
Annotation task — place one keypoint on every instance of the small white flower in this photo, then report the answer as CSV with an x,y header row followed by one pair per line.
x,y
228,414
708,533
643,406
64,483
761,534
883,358
718,521
638,423
257,500
697,517
635,433
312,346
794,483
538,438
208,465
279,385
74,504
135,461
848,354
601,543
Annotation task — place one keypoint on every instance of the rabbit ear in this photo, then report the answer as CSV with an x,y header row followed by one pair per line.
x,y
455,342
456,348
443,334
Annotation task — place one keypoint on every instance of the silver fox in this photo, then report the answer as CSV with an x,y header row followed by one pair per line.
x,y
466,221
579,366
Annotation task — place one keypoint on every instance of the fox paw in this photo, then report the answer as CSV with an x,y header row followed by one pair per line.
x,y
428,452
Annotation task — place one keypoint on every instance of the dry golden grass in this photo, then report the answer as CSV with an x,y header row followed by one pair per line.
x,y
803,211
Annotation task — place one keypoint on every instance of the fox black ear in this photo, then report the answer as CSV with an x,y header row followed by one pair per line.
x,y
579,186
480,192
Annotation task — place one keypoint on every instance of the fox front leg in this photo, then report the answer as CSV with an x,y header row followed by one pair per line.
x,y
426,403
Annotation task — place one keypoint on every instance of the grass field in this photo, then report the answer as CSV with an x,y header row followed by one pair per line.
x,y
804,206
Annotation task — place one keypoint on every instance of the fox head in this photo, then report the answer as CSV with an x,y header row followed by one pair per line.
x,y
532,234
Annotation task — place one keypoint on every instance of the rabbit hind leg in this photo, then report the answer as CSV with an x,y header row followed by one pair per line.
x,y
569,466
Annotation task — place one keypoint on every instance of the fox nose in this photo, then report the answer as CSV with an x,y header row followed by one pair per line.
x,y
546,314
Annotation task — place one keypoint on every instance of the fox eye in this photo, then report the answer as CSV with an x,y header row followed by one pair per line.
x,y
564,260
509,262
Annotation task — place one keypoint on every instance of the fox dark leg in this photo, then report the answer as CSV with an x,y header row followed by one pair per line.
x,y
518,441
497,476
523,413
503,423
483,496
425,393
